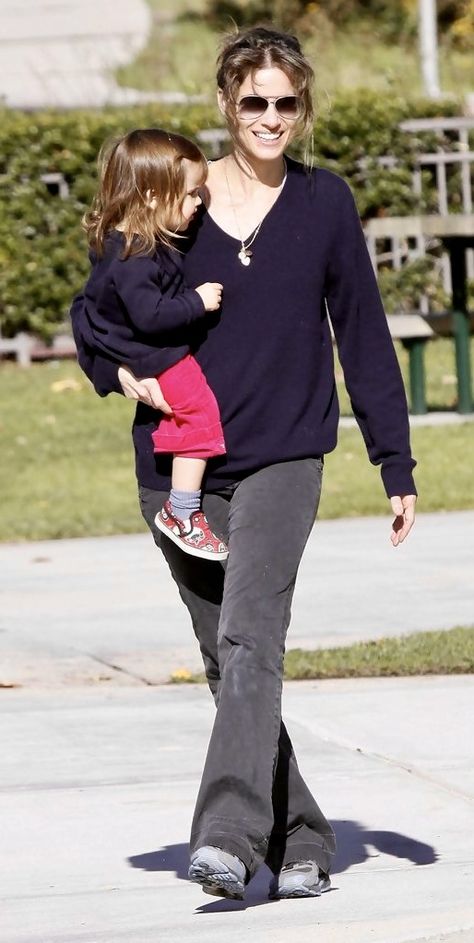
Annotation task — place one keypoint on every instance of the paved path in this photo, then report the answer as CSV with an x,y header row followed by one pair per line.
x,y
62,53
100,770
71,610
97,796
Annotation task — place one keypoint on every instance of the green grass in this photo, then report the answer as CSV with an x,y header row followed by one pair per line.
x,y
440,368
181,52
423,653
444,471
66,461
445,457
66,464
360,59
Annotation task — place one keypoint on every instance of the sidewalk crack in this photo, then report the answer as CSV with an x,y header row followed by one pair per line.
x,y
119,668
409,768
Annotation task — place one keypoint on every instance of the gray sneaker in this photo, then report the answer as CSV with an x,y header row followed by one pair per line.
x,y
299,879
218,872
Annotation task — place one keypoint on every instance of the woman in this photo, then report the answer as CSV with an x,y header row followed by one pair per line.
x,y
287,245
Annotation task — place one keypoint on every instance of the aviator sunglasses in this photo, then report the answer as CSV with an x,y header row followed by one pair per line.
x,y
254,106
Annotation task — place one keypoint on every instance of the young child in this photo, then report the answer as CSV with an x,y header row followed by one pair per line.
x,y
148,194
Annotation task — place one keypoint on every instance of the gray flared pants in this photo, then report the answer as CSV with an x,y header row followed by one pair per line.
x,y
253,801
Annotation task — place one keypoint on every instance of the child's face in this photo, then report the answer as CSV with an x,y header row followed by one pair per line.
x,y
192,200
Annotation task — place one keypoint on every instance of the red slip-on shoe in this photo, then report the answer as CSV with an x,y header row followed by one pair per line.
x,y
194,536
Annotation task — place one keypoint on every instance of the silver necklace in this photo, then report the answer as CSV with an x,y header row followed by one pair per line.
x,y
245,253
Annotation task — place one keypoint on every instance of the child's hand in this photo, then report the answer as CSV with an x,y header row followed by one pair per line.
x,y
211,294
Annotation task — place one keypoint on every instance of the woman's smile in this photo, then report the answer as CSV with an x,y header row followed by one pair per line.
x,y
268,135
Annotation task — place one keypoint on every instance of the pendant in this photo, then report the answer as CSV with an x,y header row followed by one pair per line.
x,y
244,256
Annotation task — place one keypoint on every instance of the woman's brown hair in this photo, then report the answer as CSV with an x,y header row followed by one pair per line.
x,y
261,47
141,166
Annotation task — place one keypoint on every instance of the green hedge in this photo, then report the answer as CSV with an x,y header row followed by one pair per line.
x,y
43,257
394,20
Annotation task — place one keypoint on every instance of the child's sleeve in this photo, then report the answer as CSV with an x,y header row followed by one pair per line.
x,y
101,370
101,364
137,283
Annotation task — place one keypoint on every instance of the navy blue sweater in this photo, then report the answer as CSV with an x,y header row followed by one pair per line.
x,y
131,304
268,355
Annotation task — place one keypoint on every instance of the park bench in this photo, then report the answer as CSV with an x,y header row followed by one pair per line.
x,y
414,329
26,348
398,240
20,346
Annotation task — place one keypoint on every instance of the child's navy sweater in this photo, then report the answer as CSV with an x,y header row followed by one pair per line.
x,y
268,355
136,308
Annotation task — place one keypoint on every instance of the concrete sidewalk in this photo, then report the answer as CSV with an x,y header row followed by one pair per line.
x,y
100,768
98,790
106,608
63,54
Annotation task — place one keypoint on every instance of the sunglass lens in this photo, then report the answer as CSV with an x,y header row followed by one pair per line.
x,y
288,107
252,106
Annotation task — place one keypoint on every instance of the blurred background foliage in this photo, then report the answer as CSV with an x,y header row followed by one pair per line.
x,y
395,20
367,82
43,255
351,43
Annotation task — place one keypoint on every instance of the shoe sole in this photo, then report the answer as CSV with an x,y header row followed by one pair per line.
x,y
216,883
192,551
301,890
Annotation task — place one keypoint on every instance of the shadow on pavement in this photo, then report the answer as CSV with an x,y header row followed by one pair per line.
x,y
176,858
355,843
169,858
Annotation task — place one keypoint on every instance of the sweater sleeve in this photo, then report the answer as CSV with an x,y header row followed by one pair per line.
x,y
137,283
102,371
101,361
371,371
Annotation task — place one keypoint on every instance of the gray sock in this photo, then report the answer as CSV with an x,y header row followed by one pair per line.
x,y
183,503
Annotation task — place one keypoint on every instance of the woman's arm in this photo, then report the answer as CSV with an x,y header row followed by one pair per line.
x,y
371,371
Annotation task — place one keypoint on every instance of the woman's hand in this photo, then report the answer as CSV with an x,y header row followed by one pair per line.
x,y
148,390
403,506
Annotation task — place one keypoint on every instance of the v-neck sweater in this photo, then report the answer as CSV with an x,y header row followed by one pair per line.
x,y
268,355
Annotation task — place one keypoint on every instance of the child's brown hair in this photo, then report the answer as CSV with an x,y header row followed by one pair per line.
x,y
143,165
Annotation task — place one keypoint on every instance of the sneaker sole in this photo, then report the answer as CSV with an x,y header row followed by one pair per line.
x,y
301,890
216,883
192,551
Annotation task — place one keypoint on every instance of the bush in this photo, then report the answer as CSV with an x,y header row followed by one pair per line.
x,y
363,126
43,254
43,257
395,21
